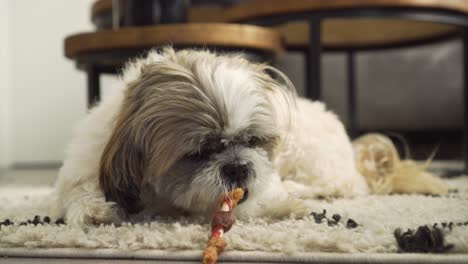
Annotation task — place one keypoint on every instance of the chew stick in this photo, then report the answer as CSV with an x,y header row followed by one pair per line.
x,y
216,244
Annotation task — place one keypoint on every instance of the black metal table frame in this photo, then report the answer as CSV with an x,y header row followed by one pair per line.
x,y
313,52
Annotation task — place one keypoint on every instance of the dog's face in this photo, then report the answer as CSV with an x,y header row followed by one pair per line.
x,y
193,125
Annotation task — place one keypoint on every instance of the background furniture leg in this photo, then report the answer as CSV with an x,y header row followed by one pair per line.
x,y
313,61
352,100
465,97
94,89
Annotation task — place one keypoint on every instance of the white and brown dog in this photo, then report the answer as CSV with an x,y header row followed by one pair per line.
x,y
190,125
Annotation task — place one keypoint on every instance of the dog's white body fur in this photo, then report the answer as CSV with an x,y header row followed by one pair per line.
x,y
314,158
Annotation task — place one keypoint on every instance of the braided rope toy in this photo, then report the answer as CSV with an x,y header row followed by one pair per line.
x,y
216,244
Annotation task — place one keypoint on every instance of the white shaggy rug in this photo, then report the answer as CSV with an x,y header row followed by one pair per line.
x,y
377,217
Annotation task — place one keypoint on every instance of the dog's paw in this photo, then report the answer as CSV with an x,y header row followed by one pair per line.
x,y
84,213
290,207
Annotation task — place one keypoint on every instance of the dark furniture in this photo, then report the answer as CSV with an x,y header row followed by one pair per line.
x,y
349,26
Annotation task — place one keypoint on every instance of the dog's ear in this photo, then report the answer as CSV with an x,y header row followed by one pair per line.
x,y
279,90
274,80
122,167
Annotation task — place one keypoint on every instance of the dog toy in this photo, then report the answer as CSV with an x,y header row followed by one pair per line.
x,y
221,223
377,159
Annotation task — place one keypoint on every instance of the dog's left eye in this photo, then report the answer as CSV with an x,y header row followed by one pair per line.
x,y
254,141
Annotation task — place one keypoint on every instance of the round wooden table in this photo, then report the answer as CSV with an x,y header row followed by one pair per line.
x,y
350,26
337,33
314,26
105,51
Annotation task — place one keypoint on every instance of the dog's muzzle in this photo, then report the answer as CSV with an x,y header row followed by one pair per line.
x,y
236,173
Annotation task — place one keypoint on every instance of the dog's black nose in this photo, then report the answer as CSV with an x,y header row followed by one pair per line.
x,y
236,172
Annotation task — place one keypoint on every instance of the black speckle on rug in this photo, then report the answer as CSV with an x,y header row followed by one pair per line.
x,y
60,221
7,222
319,217
335,219
36,221
424,240
351,223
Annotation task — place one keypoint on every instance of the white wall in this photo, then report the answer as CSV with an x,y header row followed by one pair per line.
x,y
48,92
42,94
4,85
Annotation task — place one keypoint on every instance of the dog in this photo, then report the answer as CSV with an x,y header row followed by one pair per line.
x,y
191,125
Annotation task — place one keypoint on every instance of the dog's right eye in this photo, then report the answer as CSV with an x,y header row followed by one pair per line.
x,y
195,156
254,141
207,150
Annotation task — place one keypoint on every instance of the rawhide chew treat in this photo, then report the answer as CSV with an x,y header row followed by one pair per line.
x,y
221,222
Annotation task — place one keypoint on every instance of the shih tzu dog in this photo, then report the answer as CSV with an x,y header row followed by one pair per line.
x,y
189,126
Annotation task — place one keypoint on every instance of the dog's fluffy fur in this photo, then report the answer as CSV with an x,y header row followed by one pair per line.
x,y
160,145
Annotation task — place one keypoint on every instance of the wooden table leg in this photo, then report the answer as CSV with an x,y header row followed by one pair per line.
x,y
465,97
352,99
313,61
94,89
